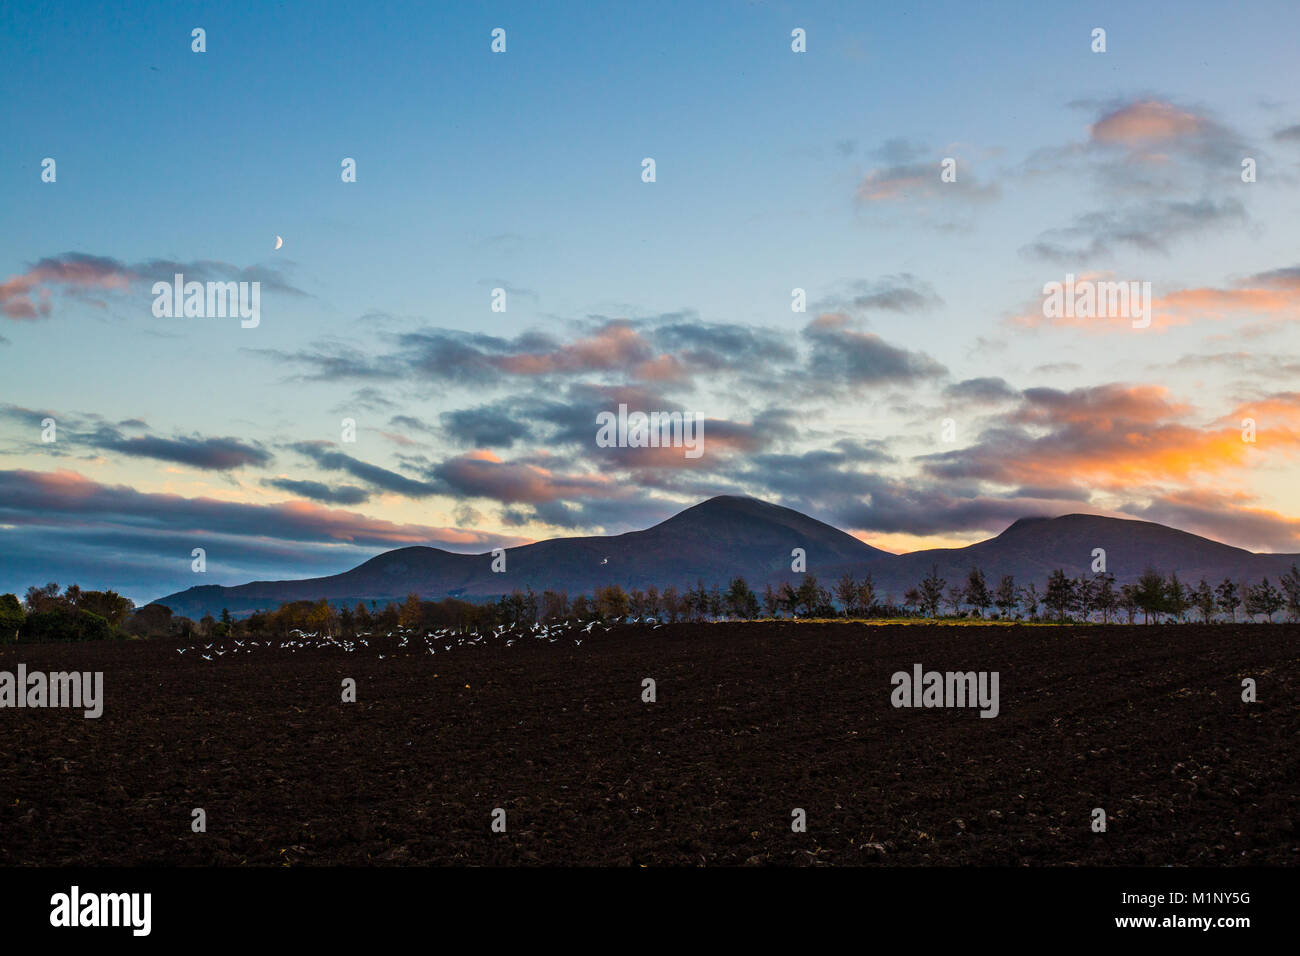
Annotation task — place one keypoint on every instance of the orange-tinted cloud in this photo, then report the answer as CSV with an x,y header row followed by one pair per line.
x,y
1114,438
1273,295
482,474
27,295
1146,123
614,346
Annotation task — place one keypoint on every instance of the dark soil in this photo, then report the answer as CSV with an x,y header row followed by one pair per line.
x,y
752,721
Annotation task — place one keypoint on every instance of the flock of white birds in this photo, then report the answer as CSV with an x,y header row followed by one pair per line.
x,y
439,641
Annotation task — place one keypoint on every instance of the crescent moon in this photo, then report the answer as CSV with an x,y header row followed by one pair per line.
x,y
278,242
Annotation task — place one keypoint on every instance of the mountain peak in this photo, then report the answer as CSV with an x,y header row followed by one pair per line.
x,y
1020,524
728,504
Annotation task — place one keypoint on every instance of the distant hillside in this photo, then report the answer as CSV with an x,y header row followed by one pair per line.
x,y
715,540
732,536
1032,548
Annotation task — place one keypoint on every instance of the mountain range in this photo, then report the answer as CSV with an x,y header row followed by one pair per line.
x,y
730,536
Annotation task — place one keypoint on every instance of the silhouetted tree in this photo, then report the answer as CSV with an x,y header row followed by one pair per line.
x,y
1104,597
977,592
846,592
1085,596
109,605
653,602
410,615
741,602
1203,600
1227,598
1005,596
932,591
1290,582
1128,601
11,617
1060,595
1177,600
582,609
43,599
789,598
1264,599
866,598
1030,599
611,602
717,603
361,617
672,602
1150,594
809,596
555,606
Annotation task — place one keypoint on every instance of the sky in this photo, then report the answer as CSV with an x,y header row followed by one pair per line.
x,y
922,172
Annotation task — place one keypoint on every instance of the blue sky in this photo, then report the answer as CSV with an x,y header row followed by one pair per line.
x,y
522,170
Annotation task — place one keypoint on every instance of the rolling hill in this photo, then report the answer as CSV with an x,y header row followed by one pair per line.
x,y
730,536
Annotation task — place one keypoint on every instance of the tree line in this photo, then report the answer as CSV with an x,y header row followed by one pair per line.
x,y
1092,597
47,614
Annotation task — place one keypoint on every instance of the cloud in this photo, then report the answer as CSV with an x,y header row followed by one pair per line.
x,y
1271,297
1159,167
92,431
215,454
62,498
319,491
711,346
28,295
1150,139
615,346
320,452
1117,438
1057,368
919,181
987,390
332,362
841,354
1274,295
896,293
1150,226
672,350
481,474
484,427
1146,124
